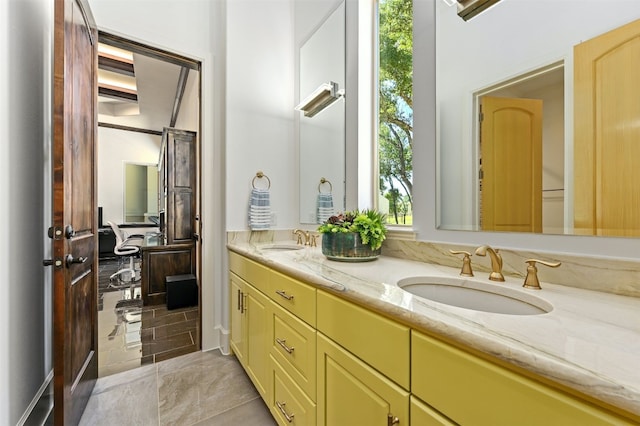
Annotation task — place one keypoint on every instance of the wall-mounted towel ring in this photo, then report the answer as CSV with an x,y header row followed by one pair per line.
x,y
323,181
260,175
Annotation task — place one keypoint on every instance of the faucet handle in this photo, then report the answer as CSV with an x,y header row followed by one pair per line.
x,y
314,238
299,233
466,262
531,280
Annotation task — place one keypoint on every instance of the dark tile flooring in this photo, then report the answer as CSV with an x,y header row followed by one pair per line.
x,y
130,334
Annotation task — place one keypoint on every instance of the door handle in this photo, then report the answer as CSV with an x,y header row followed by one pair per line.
x,y
70,260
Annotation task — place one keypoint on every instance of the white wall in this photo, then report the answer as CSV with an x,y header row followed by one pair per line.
x,y
25,292
259,109
115,147
425,131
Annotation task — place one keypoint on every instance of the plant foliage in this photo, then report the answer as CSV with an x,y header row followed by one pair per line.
x,y
370,224
396,105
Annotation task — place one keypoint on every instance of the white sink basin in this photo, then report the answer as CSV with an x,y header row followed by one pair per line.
x,y
281,247
474,295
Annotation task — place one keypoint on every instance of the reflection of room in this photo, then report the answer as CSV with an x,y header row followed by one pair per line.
x,y
322,136
546,85
133,137
571,197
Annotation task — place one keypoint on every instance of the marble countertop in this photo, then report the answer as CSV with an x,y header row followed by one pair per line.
x,y
590,341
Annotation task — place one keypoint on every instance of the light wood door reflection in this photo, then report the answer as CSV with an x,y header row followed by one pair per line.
x,y
606,133
511,150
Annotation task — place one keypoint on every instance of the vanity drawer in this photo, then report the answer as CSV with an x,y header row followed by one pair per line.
x,y
289,404
295,296
470,390
293,346
378,341
250,271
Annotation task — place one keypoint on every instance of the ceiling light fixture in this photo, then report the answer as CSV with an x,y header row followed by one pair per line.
x,y
320,99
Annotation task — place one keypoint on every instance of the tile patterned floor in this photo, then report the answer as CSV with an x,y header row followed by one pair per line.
x,y
201,388
131,335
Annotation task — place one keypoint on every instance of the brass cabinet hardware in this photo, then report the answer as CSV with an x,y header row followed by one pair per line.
x,y
284,294
287,416
283,343
392,420
466,262
244,303
496,262
531,280
239,300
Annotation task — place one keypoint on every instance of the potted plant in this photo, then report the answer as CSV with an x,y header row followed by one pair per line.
x,y
353,236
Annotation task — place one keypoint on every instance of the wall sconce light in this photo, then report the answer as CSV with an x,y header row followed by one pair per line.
x,y
467,9
320,99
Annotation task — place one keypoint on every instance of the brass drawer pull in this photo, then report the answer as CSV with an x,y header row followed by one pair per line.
x,y
392,420
283,343
284,294
281,405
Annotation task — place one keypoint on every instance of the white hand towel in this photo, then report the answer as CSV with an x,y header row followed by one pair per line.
x,y
324,207
259,209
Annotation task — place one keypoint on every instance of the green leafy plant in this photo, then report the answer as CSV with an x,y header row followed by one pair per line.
x,y
370,224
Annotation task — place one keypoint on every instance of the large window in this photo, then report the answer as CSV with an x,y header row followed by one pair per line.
x,y
395,84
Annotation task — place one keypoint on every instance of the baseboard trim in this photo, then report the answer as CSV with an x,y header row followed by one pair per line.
x,y
28,418
225,337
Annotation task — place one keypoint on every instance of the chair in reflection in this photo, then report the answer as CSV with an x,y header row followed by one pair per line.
x,y
126,247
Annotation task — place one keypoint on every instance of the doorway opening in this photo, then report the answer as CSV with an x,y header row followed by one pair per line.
x,y
148,190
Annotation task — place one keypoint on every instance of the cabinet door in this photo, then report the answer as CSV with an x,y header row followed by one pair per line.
x,y
470,390
159,263
352,393
237,336
180,185
256,323
423,415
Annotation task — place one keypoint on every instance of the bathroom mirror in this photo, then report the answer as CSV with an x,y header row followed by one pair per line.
x,y
527,52
140,192
322,137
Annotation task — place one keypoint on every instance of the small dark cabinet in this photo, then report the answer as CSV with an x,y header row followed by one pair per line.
x,y
182,291
160,262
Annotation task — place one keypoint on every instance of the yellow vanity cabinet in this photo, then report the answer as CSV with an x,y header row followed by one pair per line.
x,y
289,404
293,347
351,392
470,390
292,350
363,366
424,415
249,331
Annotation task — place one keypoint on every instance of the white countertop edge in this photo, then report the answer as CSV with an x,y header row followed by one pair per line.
x,y
589,342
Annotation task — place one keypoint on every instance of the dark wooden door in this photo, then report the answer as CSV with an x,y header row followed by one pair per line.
x,y
74,233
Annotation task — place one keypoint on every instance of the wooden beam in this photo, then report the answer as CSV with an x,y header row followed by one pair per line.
x,y
182,84
129,128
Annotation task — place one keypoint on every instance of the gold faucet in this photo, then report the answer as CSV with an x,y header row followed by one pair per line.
x,y
496,262
302,235
531,280
466,263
